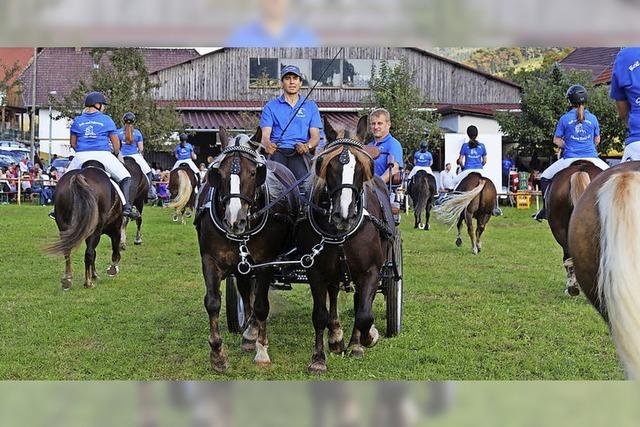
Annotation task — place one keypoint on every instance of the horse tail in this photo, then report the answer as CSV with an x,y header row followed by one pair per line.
x,y
84,217
184,191
618,289
579,182
452,208
420,189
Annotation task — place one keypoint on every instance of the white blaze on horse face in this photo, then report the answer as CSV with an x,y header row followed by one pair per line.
x,y
234,203
346,194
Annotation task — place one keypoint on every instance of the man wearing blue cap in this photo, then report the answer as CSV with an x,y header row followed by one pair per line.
x,y
290,125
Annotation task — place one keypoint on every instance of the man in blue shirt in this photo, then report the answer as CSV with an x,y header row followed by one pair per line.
x,y
288,139
184,154
380,121
625,90
132,145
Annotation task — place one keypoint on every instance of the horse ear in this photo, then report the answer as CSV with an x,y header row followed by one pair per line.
x,y
224,137
261,174
329,132
213,177
257,137
362,129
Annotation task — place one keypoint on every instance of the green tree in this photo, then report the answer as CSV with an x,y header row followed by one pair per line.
x,y
394,88
543,103
123,77
9,86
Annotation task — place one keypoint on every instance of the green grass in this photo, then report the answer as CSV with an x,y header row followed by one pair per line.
x,y
499,315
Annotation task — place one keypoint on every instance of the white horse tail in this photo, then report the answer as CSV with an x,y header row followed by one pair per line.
x,y
618,286
184,191
579,183
452,208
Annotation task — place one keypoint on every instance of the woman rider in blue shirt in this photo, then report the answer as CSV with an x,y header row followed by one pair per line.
x,y
625,90
132,145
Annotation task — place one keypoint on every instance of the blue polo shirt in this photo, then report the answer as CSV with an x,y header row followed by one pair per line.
x,y
423,159
473,156
276,114
578,137
184,153
93,130
388,146
129,149
625,86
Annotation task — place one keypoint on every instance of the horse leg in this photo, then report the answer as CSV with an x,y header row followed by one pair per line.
x,y
573,288
336,335
115,254
123,234
90,260
416,215
175,217
427,213
364,332
250,334
138,239
67,278
469,220
261,311
481,225
320,318
459,238
217,355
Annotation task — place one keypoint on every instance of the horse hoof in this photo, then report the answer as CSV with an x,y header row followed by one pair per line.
x,y
416,226
427,227
247,345
336,347
123,247
137,242
357,351
89,285
474,250
374,335
66,283
572,291
113,270
458,242
188,214
262,358
219,361
318,367
175,218
421,226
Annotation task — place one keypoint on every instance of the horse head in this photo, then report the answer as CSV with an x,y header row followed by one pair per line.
x,y
342,170
237,174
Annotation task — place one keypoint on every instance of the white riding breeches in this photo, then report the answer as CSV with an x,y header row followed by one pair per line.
x,y
192,165
112,165
561,164
631,152
141,162
415,170
462,175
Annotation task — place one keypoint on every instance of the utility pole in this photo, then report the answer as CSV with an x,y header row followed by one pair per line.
x,y
32,123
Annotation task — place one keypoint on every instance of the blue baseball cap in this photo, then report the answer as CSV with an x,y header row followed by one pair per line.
x,y
290,69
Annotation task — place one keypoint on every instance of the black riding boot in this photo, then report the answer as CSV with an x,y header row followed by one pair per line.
x,y
152,195
127,210
542,214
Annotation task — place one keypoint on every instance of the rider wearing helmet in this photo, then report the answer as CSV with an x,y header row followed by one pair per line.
x,y
132,145
90,136
577,134
184,154
422,160
625,90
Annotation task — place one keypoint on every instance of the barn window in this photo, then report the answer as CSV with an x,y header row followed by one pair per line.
x,y
263,72
356,73
332,77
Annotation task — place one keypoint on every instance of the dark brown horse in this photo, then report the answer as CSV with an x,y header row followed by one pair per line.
x,y
140,183
343,185
238,185
476,198
563,194
604,241
87,206
183,184
423,192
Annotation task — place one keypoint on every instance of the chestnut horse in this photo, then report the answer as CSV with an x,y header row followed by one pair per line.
x,y
182,187
604,241
563,194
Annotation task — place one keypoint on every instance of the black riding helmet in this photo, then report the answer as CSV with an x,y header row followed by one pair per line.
x,y
577,95
94,98
129,117
424,145
183,138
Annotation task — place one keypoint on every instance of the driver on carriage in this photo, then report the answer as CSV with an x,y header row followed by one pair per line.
x,y
132,145
472,158
291,125
422,161
184,154
90,135
577,134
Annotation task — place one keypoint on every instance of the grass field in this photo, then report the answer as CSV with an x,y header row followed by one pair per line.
x,y
499,315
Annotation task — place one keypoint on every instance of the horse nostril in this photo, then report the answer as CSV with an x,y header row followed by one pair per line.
x,y
242,224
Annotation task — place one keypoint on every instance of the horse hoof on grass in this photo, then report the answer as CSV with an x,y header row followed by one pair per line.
x,y
458,242
175,218
318,368
66,283
374,335
137,242
337,347
247,345
357,351
426,227
572,291
475,250
89,285
113,270
421,226
219,361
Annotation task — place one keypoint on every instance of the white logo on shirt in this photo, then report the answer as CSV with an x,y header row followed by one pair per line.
x,y
638,101
580,129
89,133
634,66
300,112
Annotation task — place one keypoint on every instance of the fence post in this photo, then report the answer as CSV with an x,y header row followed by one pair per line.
x,y
19,188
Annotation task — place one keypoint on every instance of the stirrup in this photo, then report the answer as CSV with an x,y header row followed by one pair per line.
x,y
52,214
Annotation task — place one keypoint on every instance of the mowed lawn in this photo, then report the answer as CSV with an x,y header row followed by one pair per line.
x,y
499,315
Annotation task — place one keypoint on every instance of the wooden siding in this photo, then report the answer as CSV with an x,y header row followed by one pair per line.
x,y
224,75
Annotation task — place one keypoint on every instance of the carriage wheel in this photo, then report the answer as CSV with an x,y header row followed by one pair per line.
x,y
234,306
395,291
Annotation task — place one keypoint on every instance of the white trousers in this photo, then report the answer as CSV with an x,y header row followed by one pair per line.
x,y
192,165
415,170
561,164
631,152
112,165
141,162
462,175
